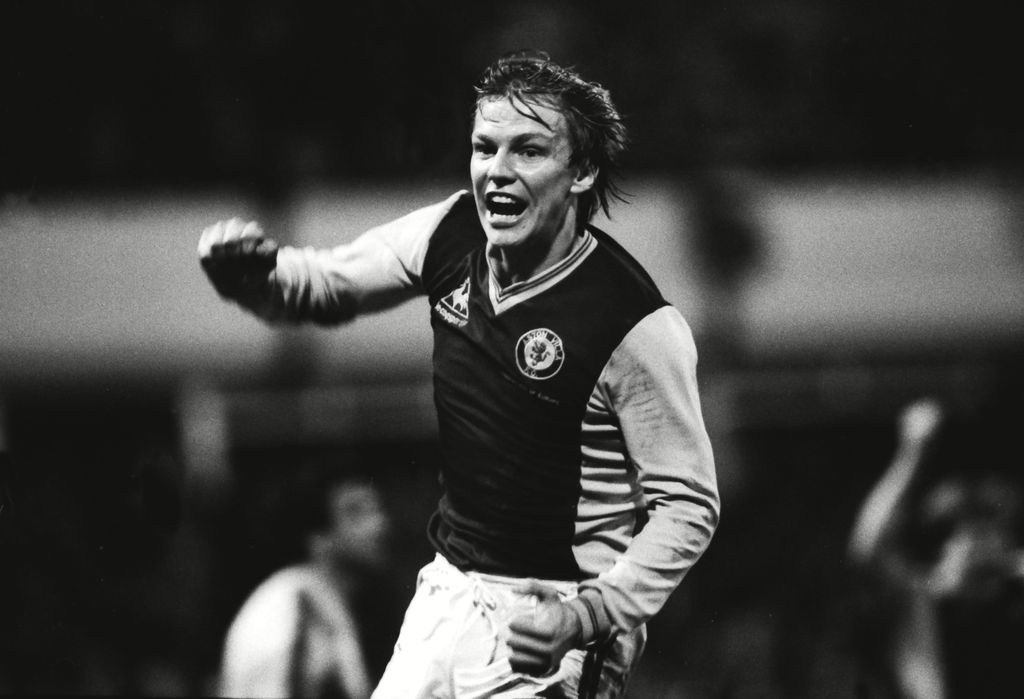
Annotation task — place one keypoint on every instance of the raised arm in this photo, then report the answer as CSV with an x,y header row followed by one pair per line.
x,y
238,260
878,520
378,270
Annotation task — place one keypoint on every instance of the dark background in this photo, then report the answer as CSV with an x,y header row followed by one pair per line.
x,y
192,93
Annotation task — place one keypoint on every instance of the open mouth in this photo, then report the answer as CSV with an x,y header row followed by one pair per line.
x,y
504,205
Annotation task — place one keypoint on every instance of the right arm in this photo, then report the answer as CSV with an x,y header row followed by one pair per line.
x,y
877,526
378,270
874,544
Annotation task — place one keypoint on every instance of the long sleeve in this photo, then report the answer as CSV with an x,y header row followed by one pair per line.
x,y
650,384
877,541
378,270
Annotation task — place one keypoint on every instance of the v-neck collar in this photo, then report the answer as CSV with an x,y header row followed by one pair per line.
x,y
502,299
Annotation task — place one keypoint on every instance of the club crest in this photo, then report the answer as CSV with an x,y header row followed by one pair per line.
x,y
455,306
539,354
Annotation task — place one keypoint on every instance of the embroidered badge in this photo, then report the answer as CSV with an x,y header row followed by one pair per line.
x,y
455,306
539,354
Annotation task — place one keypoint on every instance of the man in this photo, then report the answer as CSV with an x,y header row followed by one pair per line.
x,y
578,485
942,543
296,635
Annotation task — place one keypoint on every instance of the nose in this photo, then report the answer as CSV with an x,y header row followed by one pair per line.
x,y
501,170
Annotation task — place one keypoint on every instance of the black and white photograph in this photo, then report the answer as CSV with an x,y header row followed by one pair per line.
x,y
467,350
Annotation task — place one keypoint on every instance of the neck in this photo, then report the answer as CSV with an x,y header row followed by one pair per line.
x,y
516,264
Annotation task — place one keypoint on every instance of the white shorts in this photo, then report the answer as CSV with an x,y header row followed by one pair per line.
x,y
453,644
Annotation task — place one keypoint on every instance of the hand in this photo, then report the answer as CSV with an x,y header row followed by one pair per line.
x,y
540,639
236,256
920,420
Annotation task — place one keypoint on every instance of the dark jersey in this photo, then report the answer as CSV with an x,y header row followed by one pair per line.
x,y
513,372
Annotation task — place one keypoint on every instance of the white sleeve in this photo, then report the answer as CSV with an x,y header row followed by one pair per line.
x,y
378,270
651,383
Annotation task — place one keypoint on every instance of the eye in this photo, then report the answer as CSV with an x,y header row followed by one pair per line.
x,y
483,148
531,152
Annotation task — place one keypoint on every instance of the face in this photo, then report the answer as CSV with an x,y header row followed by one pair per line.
x,y
524,186
360,524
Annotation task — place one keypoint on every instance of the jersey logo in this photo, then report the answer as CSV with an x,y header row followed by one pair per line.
x,y
539,354
455,306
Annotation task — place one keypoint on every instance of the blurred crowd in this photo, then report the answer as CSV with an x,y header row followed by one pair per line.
x,y
879,559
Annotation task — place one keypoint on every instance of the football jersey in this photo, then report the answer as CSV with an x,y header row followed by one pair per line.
x,y
514,369
573,443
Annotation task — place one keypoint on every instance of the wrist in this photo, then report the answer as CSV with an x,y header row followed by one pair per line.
x,y
576,628
586,619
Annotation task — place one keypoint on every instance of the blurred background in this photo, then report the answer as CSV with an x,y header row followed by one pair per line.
x,y
831,193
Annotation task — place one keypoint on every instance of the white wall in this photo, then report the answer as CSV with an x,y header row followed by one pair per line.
x,y
113,287
904,264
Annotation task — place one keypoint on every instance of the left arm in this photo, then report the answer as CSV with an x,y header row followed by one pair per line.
x,y
651,383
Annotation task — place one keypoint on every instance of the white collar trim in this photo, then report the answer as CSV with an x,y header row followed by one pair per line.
x,y
514,294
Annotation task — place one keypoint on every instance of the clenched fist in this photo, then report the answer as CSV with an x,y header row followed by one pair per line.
x,y
539,640
236,256
921,420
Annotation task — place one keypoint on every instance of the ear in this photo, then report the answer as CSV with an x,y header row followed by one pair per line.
x,y
584,180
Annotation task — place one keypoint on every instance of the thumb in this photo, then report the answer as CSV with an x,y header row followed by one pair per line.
x,y
542,591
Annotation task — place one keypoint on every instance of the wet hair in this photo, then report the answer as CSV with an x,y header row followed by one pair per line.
x,y
596,130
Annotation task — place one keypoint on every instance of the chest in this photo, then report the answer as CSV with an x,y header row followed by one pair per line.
x,y
546,343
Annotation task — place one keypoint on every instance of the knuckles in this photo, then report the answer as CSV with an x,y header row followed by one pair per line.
x,y
232,237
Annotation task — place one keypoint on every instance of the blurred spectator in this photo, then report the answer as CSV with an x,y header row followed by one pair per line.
x,y
946,549
104,577
297,634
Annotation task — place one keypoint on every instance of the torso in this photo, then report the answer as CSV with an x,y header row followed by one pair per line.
x,y
514,370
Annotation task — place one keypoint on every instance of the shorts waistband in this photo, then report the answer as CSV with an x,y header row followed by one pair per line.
x,y
566,587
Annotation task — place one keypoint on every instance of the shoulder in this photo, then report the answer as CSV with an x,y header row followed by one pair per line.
x,y
431,216
623,268
663,336
617,285
658,348
273,603
284,584
652,374
457,234
416,228
458,222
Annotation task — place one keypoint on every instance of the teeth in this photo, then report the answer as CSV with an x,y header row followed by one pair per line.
x,y
502,199
504,207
